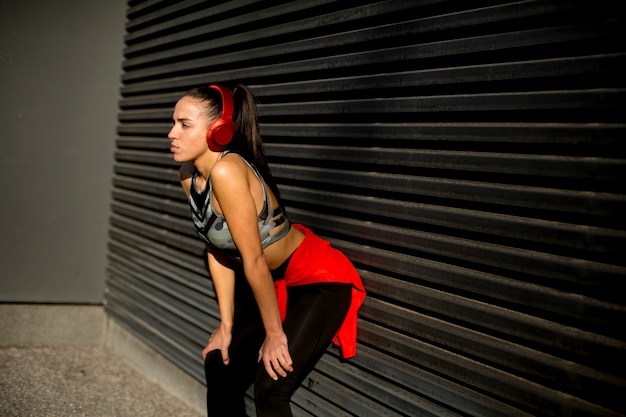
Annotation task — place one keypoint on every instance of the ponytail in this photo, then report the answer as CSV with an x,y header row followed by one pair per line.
x,y
248,138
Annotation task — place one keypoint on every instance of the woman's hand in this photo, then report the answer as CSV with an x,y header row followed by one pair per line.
x,y
220,339
275,355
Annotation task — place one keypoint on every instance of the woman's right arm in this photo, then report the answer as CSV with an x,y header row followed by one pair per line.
x,y
224,283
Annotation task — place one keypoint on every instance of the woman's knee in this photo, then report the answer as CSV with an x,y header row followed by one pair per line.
x,y
272,396
213,366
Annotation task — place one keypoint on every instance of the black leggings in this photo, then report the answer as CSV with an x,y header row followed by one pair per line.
x,y
314,314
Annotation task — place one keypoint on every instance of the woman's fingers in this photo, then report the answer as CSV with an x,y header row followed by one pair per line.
x,y
285,360
225,357
269,369
277,363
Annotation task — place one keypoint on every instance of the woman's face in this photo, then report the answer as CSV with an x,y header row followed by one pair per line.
x,y
188,133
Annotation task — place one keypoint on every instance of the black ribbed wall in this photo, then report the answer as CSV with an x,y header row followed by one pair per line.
x,y
464,154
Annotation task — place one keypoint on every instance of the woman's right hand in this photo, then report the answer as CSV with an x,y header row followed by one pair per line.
x,y
220,339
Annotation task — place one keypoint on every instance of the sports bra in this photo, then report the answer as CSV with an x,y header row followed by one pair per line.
x,y
212,228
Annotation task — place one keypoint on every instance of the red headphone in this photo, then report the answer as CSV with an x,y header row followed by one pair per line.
x,y
222,130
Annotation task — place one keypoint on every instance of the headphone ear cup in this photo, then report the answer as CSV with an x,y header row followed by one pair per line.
x,y
220,133
223,129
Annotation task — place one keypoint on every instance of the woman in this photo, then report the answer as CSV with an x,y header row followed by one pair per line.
x,y
300,293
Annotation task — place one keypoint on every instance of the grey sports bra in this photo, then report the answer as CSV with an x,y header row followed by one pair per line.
x,y
211,226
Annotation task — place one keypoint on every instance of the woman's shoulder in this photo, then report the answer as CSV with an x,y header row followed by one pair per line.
x,y
185,173
230,165
229,169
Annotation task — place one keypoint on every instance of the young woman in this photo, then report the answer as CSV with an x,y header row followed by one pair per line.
x,y
299,294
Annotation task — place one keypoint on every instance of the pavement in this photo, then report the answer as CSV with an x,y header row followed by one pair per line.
x,y
49,368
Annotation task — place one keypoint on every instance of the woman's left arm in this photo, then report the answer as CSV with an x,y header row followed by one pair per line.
x,y
232,191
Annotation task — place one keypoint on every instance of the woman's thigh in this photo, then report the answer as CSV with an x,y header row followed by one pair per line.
x,y
314,315
247,336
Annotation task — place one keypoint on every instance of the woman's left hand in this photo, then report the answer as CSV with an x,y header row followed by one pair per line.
x,y
275,355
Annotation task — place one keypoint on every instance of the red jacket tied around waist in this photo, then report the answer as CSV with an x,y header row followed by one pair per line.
x,y
314,262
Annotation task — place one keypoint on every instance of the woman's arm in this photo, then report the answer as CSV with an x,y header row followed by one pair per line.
x,y
231,187
224,283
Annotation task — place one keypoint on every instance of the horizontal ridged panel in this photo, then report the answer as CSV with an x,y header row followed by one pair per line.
x,y
499,103
466,156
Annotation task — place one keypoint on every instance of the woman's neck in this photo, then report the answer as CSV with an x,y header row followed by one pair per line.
x,y
204,164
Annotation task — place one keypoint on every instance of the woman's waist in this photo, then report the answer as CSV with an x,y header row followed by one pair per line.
x,y
278,253
314,261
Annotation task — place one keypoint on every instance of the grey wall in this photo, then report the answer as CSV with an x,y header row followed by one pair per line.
x,y
60,67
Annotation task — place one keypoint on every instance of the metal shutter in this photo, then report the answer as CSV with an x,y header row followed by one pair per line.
x,y
465,155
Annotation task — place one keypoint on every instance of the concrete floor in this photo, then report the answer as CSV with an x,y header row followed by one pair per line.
x,y
58,361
